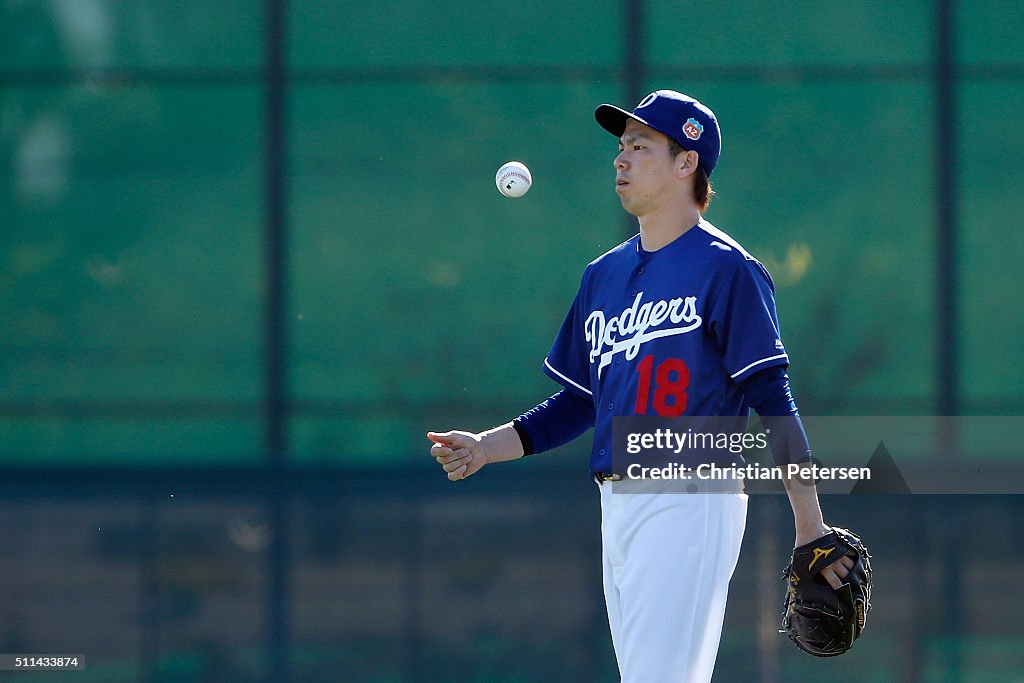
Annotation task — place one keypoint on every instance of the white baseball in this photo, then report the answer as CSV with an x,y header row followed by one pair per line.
x,y
513,179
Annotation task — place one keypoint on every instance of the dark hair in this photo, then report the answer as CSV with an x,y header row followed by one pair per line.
x,y
702,190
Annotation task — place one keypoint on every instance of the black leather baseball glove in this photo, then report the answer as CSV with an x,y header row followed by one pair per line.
x,y
822,621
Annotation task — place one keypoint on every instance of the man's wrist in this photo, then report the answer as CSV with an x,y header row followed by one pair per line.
x,y
501,444
524,437
805,533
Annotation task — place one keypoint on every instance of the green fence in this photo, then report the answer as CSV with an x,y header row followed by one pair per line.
x,y
133,240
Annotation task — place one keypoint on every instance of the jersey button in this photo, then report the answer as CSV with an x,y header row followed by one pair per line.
x,y
610,406
640,270
601,452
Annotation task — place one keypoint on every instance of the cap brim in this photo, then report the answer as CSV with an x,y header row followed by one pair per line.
x,y
613,119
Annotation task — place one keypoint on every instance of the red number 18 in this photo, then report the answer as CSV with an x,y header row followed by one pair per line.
x,y
671,379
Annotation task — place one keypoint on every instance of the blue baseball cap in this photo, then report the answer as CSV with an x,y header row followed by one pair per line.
x,y
678,116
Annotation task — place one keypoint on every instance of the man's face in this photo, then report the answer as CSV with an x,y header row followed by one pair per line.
x,y
645,171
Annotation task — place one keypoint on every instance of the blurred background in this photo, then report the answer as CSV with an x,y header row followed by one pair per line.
x,y
250,252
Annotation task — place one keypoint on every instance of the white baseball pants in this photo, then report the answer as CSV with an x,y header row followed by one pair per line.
x,y
668,558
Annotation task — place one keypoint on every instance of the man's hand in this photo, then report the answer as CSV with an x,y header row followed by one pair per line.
x,y
803,497
838,570
461,454
818,617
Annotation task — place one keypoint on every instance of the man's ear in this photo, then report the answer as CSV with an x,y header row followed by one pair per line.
x,y
687,163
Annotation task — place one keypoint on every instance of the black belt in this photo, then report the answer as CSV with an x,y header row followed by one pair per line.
x,y
723,485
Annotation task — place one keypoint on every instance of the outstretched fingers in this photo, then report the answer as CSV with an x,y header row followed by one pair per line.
x,y
837,571
830,577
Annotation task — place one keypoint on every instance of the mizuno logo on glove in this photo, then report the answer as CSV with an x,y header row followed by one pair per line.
x,y
818,554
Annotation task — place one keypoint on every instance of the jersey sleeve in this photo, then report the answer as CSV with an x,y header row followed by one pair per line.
x,y
769,393
554,422
744,322
568,361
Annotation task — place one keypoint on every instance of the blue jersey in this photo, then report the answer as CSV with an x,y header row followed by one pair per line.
x,y
667,333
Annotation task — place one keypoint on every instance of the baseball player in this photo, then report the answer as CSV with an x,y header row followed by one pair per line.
x,y
679,320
